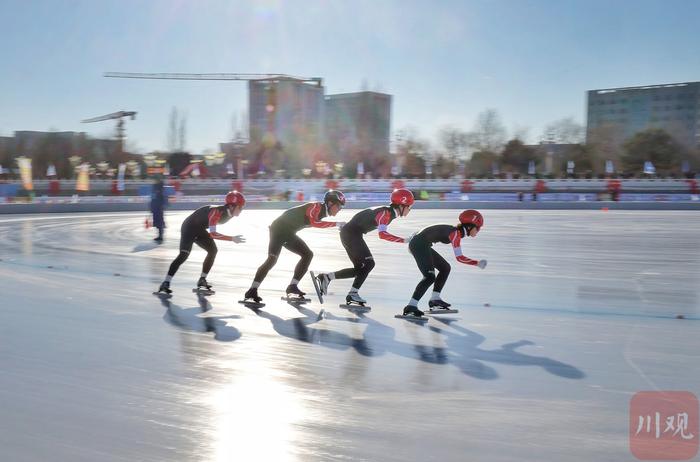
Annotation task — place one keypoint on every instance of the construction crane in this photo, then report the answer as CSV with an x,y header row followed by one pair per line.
x,y
271,90
136,75
120,133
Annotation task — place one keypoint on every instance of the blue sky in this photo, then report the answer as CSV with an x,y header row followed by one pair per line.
x,y
444,61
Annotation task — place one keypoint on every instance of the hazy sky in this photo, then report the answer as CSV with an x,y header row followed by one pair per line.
x,y
444,61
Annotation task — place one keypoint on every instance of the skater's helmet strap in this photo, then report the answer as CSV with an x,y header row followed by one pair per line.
x,y
333,196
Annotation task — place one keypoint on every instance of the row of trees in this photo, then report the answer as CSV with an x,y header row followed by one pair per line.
x,y
486,151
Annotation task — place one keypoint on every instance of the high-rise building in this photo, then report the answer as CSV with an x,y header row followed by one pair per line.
x,y
624,112
286,111
358,125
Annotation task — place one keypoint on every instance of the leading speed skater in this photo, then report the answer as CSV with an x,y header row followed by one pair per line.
x,y
429,261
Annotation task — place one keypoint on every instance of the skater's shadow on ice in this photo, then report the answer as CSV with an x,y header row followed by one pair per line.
x,y
461,350
298,328
382,339
190,319
144,246
471,358
378,339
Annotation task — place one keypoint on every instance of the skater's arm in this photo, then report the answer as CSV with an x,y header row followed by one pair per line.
x,y
214,217
312,214
455,239
383,218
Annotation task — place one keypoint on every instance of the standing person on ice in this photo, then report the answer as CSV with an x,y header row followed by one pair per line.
x,y
283,233
159,200
428,260
194,231
352,237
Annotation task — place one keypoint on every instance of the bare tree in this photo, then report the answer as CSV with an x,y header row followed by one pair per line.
x,y
182,133
245,126
521,132
234,127
172,130
488,135
239,127
413,153
455,142
564,131
606,141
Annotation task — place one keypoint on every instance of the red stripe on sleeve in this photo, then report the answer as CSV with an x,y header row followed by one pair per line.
x,y
312,214
455,238
214,217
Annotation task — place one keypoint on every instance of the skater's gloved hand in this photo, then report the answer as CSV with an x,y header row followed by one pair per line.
x,y
408,239
482,264
238,239
340,224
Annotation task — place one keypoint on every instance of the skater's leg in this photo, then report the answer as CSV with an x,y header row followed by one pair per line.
x,y
362,259
348,238
362,272
208,244
186,241
443,271
273,252
344,273
422,253
298,246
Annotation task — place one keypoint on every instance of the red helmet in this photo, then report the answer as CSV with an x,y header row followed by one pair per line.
x,y
402,196
471,217
235,198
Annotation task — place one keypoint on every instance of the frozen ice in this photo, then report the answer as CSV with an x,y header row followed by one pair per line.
x,y
575,313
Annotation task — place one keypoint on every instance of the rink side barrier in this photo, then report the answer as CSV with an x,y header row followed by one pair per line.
x,y
309,186
90,204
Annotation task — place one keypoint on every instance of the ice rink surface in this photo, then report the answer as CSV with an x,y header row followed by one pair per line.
x,y
582,315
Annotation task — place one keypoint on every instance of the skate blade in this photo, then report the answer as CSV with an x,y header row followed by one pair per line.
x,y
203,291
295,299
316,287
162,295
410,317
250,304
358,308
442,311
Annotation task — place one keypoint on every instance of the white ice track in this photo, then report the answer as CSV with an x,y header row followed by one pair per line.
x,y
582,315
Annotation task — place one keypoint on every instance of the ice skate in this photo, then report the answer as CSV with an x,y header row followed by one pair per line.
x,y
203,287
295,295
412,313
439,306
323,282
251,299
316,281
164,290
354,302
